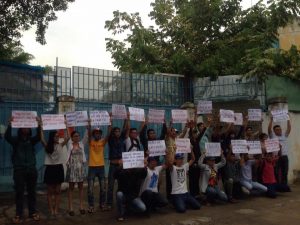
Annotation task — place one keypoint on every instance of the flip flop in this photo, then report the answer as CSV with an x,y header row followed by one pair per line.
x,y
91,210
35,217
82,211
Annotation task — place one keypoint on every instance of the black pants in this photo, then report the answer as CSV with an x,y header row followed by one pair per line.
x,y
168,184
153,200
282,169
194,176
25,178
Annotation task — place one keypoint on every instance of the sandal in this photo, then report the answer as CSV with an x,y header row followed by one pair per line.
x,y
35,217
82,211
91,210
120,219
16,220
71,213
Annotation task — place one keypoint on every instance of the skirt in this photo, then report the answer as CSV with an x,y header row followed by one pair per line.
x,y
54,174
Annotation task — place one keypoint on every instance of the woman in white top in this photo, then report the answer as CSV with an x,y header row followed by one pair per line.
x,y
54,172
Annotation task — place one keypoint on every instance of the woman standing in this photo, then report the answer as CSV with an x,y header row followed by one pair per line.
x,y
54,172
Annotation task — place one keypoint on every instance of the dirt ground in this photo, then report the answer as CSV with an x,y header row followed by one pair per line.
x,y
251,211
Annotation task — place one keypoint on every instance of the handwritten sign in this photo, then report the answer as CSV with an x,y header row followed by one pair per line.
x,y
226,116
238,119
213,149
280,115
239,146
133,159
24,119
254,115
99,118
157,148
183,145
119,112
137,114
272,145
204,107
53,121
254,147
77,119
179,116
156,116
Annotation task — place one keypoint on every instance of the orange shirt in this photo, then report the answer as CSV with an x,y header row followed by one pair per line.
x,y
96,157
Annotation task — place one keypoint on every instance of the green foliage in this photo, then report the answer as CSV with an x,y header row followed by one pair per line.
x,y
204,38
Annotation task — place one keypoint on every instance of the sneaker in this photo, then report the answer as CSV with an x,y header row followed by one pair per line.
x,y
245,191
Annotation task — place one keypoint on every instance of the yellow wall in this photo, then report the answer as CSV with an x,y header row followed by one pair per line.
x,y
290,35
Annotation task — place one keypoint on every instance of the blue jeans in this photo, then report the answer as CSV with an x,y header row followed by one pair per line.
x,y
111,183
249,184
214,193
182,201
92,174
274,188
137,204
153,200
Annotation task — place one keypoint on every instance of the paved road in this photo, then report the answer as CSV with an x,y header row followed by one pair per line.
x,y
285,210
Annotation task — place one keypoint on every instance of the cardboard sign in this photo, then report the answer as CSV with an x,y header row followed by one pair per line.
x,y
204,107
227,116
183,145
238,119
119,112
254,147
24,119
157,148
179,116
272,145
212,149
156,116
133,159
137,114
99,118
77,119
53,121
280,115
254,115
239,146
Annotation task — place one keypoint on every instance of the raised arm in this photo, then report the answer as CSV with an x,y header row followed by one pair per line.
x,y
183,133
127,126
288,127
201,159
8,137
109,129
192,160
43,141
270,126
143,134
223,161
163,131
37,137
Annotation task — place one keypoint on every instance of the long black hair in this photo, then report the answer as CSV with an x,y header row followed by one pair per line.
x,y
50,144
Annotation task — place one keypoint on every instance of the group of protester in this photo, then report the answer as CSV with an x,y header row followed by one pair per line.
x,y
210,179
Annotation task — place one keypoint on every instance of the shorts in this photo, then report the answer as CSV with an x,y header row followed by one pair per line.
x,y
54,174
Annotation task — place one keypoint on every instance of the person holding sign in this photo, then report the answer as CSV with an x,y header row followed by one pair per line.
x,y
116,144
96,165
283,161
132,141
54,172
149,190
181,198
76,161
24,168
209,180
246,175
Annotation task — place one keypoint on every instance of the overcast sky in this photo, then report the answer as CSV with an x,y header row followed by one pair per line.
x,y
77,37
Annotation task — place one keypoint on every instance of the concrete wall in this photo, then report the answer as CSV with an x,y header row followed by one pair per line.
x,y
293,142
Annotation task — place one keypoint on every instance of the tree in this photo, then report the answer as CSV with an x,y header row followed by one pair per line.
x,y
201,37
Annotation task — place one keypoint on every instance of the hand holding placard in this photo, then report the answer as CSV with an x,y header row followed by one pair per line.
x,y
179,116
24,119
227,116
157,148
212,149
239,146
183,145
133,159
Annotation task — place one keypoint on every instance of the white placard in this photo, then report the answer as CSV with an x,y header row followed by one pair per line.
x,y
53,121
239,146
137,114
99,118
24,119
179,115
280,115
156,116
254,147
204,107
226,116
183,145
254,115
238,119
272,145
77,119
133,159
212,149
157,148
119,111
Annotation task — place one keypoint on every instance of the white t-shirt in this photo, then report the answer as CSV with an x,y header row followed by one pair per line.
x,y
151,181
283,142
178,179
128,144
58,156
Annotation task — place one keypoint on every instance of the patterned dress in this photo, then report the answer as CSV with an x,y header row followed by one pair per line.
x,y
75,166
